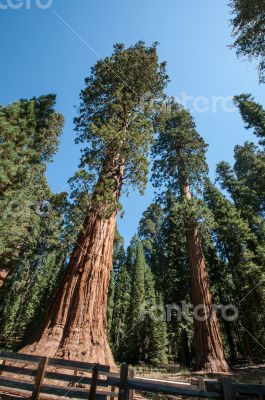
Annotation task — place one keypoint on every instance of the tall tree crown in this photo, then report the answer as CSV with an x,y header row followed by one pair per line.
x,y
249,30
253,114
114,121
179,149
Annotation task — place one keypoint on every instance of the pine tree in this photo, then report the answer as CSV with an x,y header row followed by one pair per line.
x,y
147,336
244,242
154,328
135,345
119,260
119,327
163,236
180,162
241,273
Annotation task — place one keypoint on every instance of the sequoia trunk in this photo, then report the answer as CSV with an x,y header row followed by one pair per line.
x,y
208,343
77,323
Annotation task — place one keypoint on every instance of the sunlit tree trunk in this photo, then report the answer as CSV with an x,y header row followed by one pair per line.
x,y
76,327
208,343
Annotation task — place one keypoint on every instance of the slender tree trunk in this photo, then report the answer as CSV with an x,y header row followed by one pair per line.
x,y
77,323
208,342
230,340
229,332
185,351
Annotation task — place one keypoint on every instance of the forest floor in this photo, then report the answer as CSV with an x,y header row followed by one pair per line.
x,y
248,373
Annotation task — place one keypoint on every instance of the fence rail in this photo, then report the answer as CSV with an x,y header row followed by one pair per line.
x,y
38,377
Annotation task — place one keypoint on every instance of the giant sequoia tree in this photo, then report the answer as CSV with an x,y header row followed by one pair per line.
x,y
180,162
116,129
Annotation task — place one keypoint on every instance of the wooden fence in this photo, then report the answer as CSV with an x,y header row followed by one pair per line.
x,y
34,377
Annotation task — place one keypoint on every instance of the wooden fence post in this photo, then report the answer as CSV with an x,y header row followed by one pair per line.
x,y
93,386
227,387
123,387
131,391
2,362
112,389
39,378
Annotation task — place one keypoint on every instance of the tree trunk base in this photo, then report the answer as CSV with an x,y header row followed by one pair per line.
x,y
215,366
87,351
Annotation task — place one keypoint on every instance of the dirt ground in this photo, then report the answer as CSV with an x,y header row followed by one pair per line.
x,y
251,373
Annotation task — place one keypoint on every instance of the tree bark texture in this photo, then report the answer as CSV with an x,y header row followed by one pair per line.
x,y
208,343
76,327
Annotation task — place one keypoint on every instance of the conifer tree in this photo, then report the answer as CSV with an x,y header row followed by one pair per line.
x,y
176,276
163,237
131,253
30,131
253,114
119,260
249,31
119,257
31,283
147,338
149,232
135,316
241,272
244,182
154,328
180,162
246,179
116,130
120,325
31,250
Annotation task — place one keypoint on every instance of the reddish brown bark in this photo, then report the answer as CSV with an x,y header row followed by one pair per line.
x,y
3,276
208,343
77,324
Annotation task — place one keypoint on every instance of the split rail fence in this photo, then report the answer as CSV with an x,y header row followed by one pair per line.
x,y
32,377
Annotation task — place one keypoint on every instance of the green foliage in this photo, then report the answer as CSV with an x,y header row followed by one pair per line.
x,y
154,329
138,313
237,273
114,123
32,249
179,150
239,233
137,300
252,114
149,233
118,280
118,116
119,257
30,132
249,30
119,329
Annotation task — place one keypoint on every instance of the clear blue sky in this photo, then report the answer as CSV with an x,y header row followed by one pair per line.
x,y
40,54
